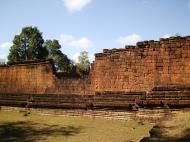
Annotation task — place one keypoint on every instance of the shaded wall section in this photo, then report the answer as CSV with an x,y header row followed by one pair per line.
x,y
38,78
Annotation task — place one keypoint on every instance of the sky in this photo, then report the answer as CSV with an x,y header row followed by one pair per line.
x,y
94,25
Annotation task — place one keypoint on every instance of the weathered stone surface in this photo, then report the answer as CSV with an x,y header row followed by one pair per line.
x,y
151,73
38,78
151,64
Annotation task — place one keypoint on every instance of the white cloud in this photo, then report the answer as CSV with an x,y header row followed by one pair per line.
x,y
4,50
129,40
75,5
5,45
91,58
71,41
166,36
76,55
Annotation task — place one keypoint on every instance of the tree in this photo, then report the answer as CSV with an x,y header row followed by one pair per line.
x,y
61,61
84,63
53,47
28,45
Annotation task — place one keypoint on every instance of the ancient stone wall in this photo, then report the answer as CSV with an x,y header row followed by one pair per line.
x,y
153,73
145,66
38,78
71,86
26,78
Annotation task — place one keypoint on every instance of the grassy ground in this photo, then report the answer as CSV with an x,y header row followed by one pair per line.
x,y
15,127
173,129
178,128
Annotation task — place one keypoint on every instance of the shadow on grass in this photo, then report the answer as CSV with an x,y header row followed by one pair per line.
x,y
31,132
185,138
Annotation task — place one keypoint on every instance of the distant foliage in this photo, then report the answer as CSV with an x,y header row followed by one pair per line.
x,y
2,62
177,35
83,62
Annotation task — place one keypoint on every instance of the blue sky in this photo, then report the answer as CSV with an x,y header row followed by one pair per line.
x,y
93,25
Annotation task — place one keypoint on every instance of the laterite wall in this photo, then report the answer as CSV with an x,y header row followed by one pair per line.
x,y
26,78
150,64
38,78
139,68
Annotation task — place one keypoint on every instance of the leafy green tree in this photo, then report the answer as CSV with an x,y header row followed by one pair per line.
x,y
83,61
28,45
61,61
53,47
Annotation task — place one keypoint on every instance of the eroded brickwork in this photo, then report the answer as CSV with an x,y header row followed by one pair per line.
x,y
145,66
38,78
140,68
26,78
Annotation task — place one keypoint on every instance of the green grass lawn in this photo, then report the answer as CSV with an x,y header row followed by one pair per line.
x,y
15,127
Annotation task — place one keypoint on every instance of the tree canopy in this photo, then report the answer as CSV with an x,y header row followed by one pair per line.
x,y
28,45
61,61
83,61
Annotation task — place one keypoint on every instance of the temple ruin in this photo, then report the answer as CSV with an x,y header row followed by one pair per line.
x,y
152,73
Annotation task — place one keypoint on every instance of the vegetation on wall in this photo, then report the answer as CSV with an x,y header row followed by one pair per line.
x,y
30,45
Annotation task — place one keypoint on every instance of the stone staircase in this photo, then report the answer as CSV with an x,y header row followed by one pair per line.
x,y
158,97
168,96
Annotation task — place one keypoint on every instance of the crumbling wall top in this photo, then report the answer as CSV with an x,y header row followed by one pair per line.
x,y
146,44
29,62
